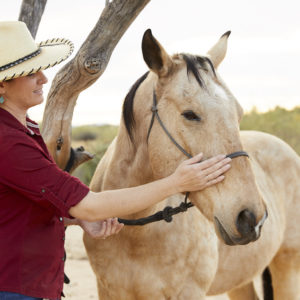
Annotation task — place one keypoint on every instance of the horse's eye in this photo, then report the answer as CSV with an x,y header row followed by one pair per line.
x,y
191,116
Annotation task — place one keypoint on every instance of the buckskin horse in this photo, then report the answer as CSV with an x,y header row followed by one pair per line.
x,y
236,228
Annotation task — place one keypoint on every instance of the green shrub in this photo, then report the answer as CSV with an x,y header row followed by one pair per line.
x,y
280,122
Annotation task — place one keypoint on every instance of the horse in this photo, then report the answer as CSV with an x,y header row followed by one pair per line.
x,y
236,228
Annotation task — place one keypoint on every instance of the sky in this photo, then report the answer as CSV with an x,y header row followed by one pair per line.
x,y
261,67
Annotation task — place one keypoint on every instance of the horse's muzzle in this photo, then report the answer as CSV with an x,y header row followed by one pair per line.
x,y
247,227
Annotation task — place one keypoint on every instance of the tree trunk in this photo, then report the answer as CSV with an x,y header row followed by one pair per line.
x,y
82,71
31,13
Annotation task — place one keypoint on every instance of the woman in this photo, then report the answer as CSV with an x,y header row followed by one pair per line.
x,y
36,198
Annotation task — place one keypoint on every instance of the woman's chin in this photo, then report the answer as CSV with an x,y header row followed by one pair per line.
x,y
38,100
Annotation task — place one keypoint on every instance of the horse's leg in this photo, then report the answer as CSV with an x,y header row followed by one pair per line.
x,y
245,292
285,271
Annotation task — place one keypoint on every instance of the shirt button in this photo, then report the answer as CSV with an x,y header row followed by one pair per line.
x,y
60,219
63,238
63,259
43,190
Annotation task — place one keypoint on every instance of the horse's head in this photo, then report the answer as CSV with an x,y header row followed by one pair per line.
x,y
202,115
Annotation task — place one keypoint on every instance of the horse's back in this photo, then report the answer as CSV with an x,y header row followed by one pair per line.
x,y
268,145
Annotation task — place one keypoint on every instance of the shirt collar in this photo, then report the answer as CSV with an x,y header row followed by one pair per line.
x,y
9,120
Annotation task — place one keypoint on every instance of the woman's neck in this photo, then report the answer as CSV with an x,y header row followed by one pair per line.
x,y
19,114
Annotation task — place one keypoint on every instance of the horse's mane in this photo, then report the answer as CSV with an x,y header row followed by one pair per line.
x,y
128,116
192,63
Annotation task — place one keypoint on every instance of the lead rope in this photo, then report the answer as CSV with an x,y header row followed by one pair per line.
x,y
165,214
168,212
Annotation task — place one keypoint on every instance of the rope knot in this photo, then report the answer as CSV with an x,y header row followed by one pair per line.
x,y
184,206
167,214
154,108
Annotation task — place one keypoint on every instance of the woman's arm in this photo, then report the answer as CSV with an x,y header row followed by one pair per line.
x,y
69,222
189,176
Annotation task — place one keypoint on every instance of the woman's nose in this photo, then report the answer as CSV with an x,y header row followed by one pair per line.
x,y
42,78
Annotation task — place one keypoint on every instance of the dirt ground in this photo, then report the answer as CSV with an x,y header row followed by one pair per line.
x,y
83,283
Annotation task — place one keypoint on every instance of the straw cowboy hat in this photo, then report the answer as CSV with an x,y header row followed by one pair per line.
x,y
21,56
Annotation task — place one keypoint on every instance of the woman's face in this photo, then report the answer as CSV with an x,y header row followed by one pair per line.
x,y
24,92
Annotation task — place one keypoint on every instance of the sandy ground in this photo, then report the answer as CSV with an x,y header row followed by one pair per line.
x,y
83,283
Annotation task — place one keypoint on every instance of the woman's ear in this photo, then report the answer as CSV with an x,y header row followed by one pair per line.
x,y
2,88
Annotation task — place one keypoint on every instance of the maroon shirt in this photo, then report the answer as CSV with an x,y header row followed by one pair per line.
x,y
35,195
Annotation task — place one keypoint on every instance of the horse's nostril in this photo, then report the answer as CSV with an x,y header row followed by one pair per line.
x,y
246,222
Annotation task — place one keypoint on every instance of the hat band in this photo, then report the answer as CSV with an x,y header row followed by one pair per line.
x,y
20,60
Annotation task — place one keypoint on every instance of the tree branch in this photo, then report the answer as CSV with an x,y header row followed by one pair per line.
x,y
87,66
31,13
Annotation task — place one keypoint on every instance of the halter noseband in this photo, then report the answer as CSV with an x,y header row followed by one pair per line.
x,y
167,213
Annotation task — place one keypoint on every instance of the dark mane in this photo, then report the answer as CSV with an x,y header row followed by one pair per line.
x,y
192,62
128,106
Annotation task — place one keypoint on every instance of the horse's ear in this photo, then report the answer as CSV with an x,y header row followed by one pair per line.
x,y
155,55
218,51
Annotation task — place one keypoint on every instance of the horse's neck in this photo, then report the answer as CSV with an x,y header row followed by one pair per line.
x,y
124,165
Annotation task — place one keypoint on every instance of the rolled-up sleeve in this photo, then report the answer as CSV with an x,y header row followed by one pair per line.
x,y
25,168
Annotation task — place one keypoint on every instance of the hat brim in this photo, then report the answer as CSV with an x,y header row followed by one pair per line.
x,y
52,53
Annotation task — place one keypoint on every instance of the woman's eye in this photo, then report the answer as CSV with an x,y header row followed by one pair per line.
x,y
191,116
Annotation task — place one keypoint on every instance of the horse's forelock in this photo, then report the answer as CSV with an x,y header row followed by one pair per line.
x,y
193,62
128,115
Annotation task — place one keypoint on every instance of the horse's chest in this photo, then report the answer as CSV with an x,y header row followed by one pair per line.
x,y
159,268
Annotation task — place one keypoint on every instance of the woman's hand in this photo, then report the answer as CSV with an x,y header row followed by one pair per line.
x,y
101,229
194,175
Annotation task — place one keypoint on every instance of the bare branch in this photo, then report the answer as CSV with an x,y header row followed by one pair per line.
x,y
31,13
88,65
